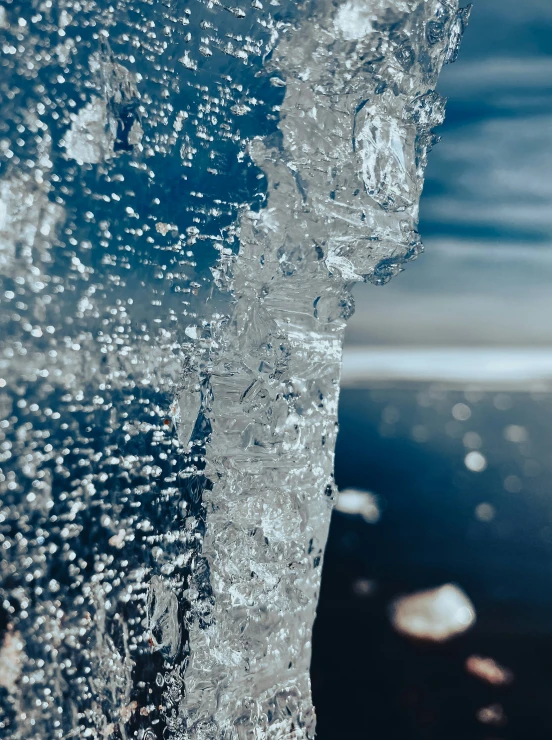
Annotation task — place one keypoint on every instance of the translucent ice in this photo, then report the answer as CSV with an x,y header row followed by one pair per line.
x,y
10,661
187,193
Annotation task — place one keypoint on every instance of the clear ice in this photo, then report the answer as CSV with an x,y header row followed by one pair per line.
x,y
188,191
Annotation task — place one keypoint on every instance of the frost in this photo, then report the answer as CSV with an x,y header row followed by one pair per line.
x,y
186,197
436,615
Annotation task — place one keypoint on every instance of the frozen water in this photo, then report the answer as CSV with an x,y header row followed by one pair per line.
x,y
492,715
489,670
187,193
10,661
351,501
437,614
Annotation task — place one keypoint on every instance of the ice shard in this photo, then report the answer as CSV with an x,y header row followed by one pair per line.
x,y
188,191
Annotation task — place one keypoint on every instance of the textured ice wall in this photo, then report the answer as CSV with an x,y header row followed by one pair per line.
x,y
188,190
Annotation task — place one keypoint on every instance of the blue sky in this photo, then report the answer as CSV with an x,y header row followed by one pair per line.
x,y
486,276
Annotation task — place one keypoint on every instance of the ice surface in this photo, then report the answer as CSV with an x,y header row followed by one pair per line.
x,y
437,614
10,661
187,193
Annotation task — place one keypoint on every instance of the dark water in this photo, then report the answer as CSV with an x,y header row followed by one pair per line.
x,y
406,446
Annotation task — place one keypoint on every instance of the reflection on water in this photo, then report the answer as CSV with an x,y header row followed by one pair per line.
x,y
462,485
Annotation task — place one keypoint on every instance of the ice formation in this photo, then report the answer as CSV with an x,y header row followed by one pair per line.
x,y
437,614
492,715
187,192
351,501
489,670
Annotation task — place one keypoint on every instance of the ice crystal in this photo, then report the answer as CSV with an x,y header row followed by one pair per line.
x,y
187,193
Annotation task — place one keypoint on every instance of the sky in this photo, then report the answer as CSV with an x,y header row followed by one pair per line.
x,y
485,279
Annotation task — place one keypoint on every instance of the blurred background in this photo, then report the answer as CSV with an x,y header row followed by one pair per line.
x,y
445,444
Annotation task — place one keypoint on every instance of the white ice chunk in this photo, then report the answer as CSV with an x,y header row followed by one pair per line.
x,y
10,661
354,20
351,501
437,614
87,140
489,670
492,715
